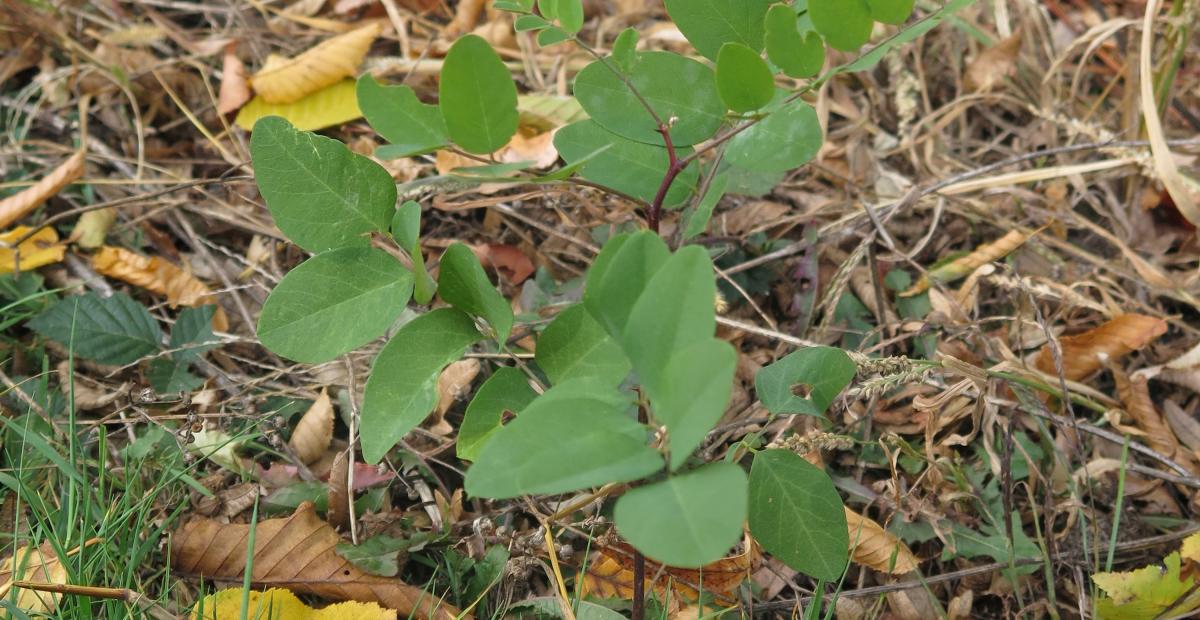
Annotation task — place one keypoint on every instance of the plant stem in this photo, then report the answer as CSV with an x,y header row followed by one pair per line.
x,y
674,167
639,586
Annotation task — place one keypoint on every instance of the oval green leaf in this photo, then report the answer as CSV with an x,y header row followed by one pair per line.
x,y
806,381
395,112
890,11
845,24
402,388
322,195
689,520
619,275
477,97
695,389
786,139
631,167
334,302
674,87
799,55
797,514
743,79
574,345
506,390
709,24
462,283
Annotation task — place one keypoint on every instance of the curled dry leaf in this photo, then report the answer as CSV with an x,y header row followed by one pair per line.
x,y
227,603
1135,395
297,552
1186,427
18,205
874,547
40,249
994,64
610,574
284,80
507,260
1084,354
339,493
235,84
157,276
453,384
314,431
964,265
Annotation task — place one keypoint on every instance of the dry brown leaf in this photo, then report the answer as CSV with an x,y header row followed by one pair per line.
x,y
751,216
610,575
465,16
1135,395
453,384
964,265
314,431
20,204
507,260
42,248
339,492
92,228
1186,427
235,84
157,276
1084,354
284,80
994,64
876,548
297,552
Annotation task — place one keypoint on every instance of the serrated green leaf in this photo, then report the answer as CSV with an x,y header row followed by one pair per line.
x,y
333,303
696,220
624,51
675,87
113,330
845,24
167,375
578,434
709,24
631,167
506,390
192,334
330,106
743,79
789,137
688,520
797,514
574,345
799,55
619,275
411,126
402,388
321,195
463,284
477,97
806,381
890,11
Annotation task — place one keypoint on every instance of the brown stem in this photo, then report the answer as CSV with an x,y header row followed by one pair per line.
x,y
674,167
639,586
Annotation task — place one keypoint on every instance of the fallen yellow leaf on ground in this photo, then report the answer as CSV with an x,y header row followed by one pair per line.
x,y
1150,591
610,574
157,276
281,604
40,249
284,80
874,547
33,564
21,203
329,106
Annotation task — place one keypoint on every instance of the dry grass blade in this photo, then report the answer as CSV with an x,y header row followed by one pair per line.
x,y
874,547
42,248
314,431
964,265
20,204
1084,354
283,80
296,552
1135,395
157,276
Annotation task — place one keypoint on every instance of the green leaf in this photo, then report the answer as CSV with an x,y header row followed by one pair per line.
x,y
871,58
817,374
519,6
192,334
548,8
530,22
463,284
406,230
799,55
477,96
845,24
797,514
709,24
574,345
890,11
631,167
619,274
396,114
570,15
743,79
551,36
330,106
321,195
686,521
624,51
380,554
696,220
112,330
402,388
674,86
334,302
167,375
693,394
789,137
578,434
506,390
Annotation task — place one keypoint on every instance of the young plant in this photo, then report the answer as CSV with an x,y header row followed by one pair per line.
x,y
632,379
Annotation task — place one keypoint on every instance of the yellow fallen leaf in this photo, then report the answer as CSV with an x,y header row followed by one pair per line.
x,y
1147,592
285,80
327,107
281,604
41,249
33,564
158,276
876,548
19,204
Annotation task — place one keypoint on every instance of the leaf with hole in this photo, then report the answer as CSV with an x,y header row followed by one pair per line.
x,y
411,126
619,275
845,24
110,330
402,388
578,434
798,55
321,195
574,345
333,303
796,514
477,97
709,24
806,381
743,79
463,284
688,520
629,167
506,390
788,138
674,86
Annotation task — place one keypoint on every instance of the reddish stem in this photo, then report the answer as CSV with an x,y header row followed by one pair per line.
x,y
674,167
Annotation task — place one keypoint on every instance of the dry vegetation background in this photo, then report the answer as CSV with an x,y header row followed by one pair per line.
x,y
1032,164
